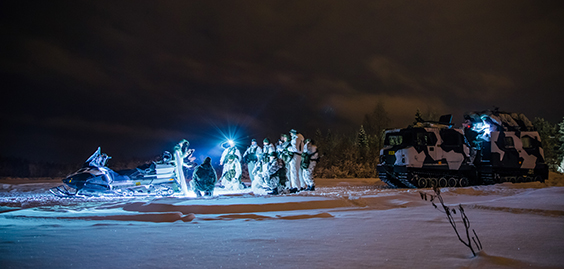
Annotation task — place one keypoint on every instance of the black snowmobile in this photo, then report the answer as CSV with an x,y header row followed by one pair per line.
x,y
96,179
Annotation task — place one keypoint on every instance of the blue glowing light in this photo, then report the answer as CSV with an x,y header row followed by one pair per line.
x,y
228,135
483,129
218,138
487,130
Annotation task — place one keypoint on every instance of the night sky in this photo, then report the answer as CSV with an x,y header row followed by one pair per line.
x,y
135,77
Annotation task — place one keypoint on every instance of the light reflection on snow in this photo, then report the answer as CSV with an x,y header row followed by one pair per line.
x,y
358,224
36,196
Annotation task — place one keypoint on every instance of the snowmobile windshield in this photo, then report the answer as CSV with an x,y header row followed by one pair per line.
x,y
97,159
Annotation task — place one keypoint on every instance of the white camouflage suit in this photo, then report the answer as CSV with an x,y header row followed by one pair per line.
x,y
267,176
311,150
267,150
273,177
281,150
296,147
229,151
252,155
231,180
262,165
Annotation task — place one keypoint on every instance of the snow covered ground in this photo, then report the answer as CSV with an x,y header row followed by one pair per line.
x,y
345,223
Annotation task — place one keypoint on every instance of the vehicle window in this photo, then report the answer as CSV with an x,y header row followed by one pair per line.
x,y
425,139
421,139
451,139
394,140
527,142
509,143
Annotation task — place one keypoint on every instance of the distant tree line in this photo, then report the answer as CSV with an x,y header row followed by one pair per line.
x,y
18,167
356,155
353,155
342,155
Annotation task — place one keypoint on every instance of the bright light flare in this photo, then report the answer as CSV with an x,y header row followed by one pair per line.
x,y
482,128
228,143
226,133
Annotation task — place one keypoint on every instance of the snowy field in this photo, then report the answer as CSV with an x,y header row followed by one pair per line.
x,y
345,223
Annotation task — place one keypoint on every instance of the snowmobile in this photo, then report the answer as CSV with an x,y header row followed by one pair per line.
x,y
94,178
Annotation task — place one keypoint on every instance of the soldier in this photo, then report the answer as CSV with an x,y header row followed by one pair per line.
x,y
182,152
230,151
231,178
276,174
309,160
251,157
261,166
296,147
260,172
267,148
283,152
270,175
204,179
282,149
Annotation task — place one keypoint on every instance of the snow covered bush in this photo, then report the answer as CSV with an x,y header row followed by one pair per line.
x,y
346,156
550,137
560,134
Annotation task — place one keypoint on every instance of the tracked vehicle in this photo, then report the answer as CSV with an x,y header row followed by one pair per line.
x,y
491,147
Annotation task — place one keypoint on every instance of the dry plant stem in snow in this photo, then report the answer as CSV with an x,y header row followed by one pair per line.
x,y
471,241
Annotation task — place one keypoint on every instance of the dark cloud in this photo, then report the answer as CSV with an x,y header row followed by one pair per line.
x,y
135,76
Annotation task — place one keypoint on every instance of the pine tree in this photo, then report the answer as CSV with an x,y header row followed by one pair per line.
x,y
362,143
418,117
362,138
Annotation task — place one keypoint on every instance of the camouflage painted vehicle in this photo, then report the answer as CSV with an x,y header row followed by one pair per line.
x,y
491,147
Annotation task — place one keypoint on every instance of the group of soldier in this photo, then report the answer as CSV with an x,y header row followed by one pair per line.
x,y
284,167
